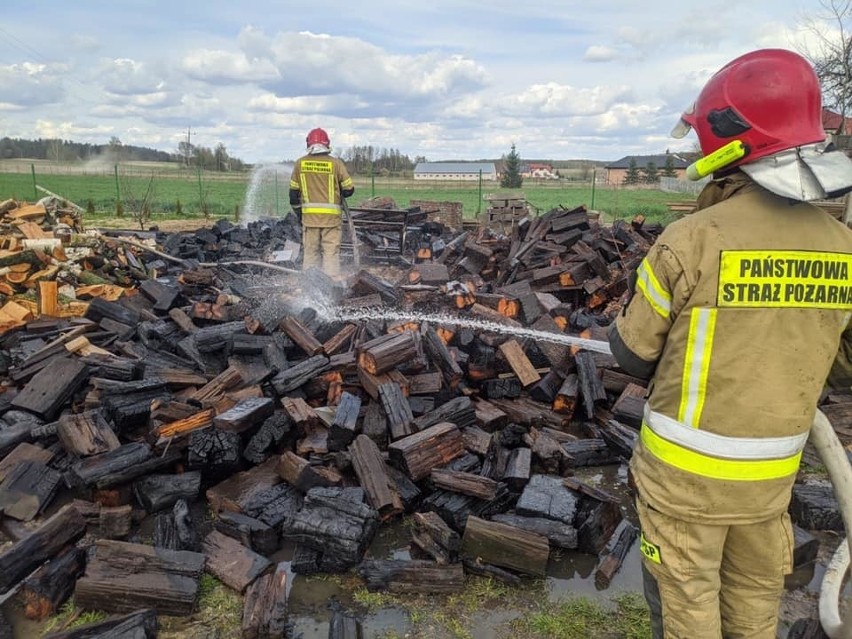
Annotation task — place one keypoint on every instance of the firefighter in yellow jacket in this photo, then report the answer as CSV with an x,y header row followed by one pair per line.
x,y
318,184
740,312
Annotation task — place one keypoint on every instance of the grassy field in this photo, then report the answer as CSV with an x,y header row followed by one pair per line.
x,y
187,193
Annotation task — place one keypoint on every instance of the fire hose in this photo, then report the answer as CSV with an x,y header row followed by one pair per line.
x,y
833,456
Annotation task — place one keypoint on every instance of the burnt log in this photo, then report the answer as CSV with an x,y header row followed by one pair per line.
x,y
301,474
141,624
590,452
52,387
28,489
397,410
372,474
344,626
214,452
123,577
412,577
547,497
232,563
301,336
86,434
343,427
432,535
250,532
421,452
290,379
245,415
265,607
158,492
614,553
814,507
437,352
518,469
115,522
505,546
268,437
519,362
559,534
591,384
44,592
375,424
509,388
388,351
459,411
236,492
630,405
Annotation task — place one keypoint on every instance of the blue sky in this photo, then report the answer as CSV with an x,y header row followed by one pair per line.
x,y
440,79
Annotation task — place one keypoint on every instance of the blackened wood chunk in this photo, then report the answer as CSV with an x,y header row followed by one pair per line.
x,y
157,492
508,388
115,522
176,530
243,488
614,553
216,337
45,591
590,452
629,407
335,524
372,474
549,457
306,561
434,537
558,534
408,491
489,417
512,436
375,424
505,546
814,507
620,438
274,505
123,577
300,473
121,369
496,459
591,384
245,415
397,410
290,379
128,404
805,549
518,469
424,577
459,411
18,561
301,336
343,428
270,434
28,489
100,308
432,448
440,356
232,563
596,521
366,283
89,471
384,353
52,387
806,629
455,508
546,389
86,434
474,567
246,344
465,483
141,624
546,496
249,532
214,452
265,609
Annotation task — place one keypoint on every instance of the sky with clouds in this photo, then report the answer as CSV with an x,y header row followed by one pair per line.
x,y
561,79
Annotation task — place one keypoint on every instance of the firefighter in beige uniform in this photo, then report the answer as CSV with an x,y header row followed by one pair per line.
x,y
740,313
318,184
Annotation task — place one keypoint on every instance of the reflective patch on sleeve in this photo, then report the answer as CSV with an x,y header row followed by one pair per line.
x,y
658,297
649,550
785,279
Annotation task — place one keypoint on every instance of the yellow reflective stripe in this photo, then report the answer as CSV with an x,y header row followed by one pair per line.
x,y
696,365
659,299
294,184
347,183
330,209
331,189
714,467
304,182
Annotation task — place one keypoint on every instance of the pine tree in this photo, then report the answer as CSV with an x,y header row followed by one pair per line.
x,y
632,175
651,174
669,168
512,171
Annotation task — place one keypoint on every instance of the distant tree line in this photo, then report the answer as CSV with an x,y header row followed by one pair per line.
x,y
58,150
371,160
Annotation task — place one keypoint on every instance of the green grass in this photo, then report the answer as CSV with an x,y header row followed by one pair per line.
x,y
68,617
581,618
223,194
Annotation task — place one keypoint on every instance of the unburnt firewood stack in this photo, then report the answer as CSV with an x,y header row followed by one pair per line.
x,y
317,429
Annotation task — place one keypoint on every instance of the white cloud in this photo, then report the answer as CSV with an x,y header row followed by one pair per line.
x,y
125,76
600,53
558,100
29,84
227,67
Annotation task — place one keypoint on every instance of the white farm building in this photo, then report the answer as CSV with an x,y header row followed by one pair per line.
x,y
462,171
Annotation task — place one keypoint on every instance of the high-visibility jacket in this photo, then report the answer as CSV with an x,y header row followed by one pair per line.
x,y
319,180
740,311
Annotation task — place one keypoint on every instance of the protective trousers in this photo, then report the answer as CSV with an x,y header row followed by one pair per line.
x,y
709,581
321,247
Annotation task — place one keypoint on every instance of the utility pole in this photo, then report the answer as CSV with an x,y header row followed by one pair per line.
x,y
188,147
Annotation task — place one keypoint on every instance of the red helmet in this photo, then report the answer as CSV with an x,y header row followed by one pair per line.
x,y
768,99
318,136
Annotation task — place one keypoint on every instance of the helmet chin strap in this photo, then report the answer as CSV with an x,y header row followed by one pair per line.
x,y
805,173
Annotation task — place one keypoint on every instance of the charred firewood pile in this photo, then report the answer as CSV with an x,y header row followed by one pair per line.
x,y
459,391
